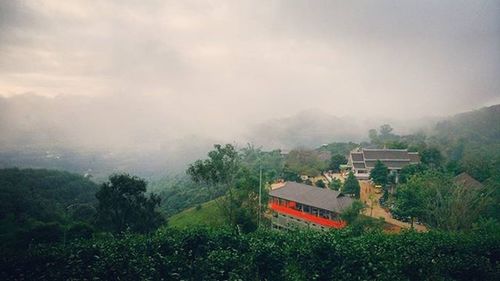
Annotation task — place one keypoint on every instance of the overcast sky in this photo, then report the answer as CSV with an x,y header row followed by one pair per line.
x,y
207,61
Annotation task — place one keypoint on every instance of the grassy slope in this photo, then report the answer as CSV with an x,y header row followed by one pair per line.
x,y
208,215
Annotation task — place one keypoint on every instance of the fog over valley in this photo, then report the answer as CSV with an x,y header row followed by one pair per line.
x,y
150,137
148,87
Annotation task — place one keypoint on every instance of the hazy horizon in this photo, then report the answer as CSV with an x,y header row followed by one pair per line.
x,y
156,75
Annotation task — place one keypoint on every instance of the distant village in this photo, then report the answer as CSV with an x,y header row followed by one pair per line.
x,y
302,205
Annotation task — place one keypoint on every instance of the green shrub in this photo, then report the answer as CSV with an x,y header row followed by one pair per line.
x,y
80,231
222,254
43,233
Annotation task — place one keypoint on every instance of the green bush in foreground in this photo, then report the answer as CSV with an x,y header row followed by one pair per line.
x,y
204,254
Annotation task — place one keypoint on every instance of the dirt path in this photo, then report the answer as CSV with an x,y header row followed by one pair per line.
x,y
368,195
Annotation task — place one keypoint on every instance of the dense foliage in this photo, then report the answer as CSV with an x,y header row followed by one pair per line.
x,y
470,142
407,171
180,193
199,254
351,185
123,205
42,194
336,160
379,174
305,162
442,203
227,167
335,184
30,199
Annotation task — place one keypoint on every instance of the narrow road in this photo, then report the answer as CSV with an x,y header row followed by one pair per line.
x,y
368,196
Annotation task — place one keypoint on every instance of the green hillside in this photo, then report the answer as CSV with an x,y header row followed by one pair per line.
x,y
208,215
180,193
42,195
472,140
38,200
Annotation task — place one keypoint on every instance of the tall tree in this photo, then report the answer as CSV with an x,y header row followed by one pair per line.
x,y
221,168
351,185
385,131
379,174
407,171
384,136
431,157
373,135
410,201
336,160
270,162
124,206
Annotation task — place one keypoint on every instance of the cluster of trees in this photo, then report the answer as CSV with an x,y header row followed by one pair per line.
x,y
440,202
313,163
351,186
304,162
239,174
41,206
429,193
36,203
123,206
222,254
181,192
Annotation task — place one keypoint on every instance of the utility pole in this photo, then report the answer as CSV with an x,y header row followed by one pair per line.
x,y
260,191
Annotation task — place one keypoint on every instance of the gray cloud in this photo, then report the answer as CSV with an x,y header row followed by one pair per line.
x,y
216,68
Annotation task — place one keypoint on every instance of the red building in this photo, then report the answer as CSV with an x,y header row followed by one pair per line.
x,y
296,204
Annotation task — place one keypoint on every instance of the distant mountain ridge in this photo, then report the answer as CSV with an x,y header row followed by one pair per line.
x,y
481,125
70,133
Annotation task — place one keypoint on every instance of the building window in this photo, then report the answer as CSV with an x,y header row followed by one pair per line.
x,y
299,207
307,209
324,214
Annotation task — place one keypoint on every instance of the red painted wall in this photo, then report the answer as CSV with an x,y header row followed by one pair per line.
x,y
305,216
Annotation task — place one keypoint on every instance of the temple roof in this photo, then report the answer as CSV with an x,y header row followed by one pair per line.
x,y
392,158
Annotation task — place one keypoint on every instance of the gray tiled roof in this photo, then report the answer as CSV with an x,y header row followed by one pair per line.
x,y
357,156
323,198
359,165
392,158
394,164
392,154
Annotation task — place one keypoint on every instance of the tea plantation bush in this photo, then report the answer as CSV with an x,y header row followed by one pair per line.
x,y
204,254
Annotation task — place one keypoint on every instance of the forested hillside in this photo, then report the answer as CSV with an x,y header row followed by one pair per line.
x,y
42,194
30,198
471,141
479,127
179,193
